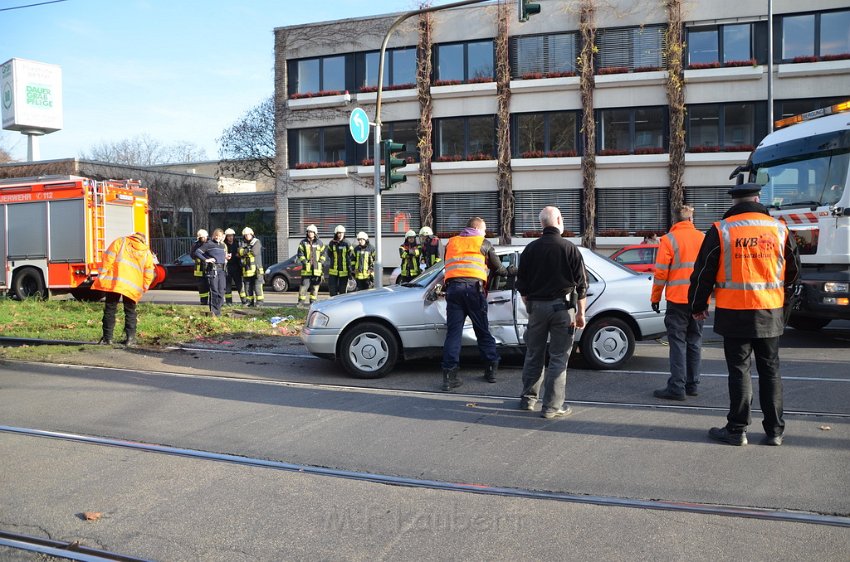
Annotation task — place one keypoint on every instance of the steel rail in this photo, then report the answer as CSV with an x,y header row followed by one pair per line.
x,y
765,514
62,549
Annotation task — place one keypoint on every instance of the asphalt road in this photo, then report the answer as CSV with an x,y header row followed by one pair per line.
x,y
282,405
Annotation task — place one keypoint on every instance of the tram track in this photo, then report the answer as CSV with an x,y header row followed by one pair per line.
x,y
62,549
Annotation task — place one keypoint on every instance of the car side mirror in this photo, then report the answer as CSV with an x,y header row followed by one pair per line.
x,y
435,293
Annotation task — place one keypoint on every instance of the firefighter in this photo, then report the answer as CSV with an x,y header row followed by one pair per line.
x,y
411,254
311,256
233,272
251,254
203,284
338,255
430,246
363,262
213,254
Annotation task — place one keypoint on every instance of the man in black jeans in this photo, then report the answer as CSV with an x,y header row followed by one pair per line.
x,y
550,270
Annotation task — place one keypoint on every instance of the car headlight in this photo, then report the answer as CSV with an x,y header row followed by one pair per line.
x,y
833,287
317,320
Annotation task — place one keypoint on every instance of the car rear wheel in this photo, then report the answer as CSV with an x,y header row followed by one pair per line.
x,y
280,284
368,351
607,343
807,323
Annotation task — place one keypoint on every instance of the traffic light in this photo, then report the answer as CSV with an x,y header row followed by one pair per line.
x,y
391,164
527,9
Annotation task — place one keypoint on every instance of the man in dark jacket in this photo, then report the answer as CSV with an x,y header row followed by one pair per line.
x,y
213,254
551,270
233,272
749,260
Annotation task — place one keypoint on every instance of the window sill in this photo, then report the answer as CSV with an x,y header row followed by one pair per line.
x,y
463,90
813,68
724,73
318,173
633,160
322,101
545,84
533,164
724,158
388,96
635,78
369,171
464,166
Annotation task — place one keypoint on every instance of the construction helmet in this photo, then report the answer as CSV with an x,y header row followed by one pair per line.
x,y
409,234
312,228
229,231
339,228
426,231
362,236
203,233
247,230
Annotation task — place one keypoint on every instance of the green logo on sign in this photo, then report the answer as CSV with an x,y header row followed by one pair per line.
x,y
7,96
39,96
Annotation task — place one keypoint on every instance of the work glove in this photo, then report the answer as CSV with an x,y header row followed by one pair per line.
x,y
511,270
656,307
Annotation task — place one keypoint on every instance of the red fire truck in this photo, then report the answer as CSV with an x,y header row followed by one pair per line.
x,y
54,229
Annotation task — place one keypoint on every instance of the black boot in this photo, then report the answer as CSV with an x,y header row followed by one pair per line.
x,y
130,340
490,371
450,379
105,340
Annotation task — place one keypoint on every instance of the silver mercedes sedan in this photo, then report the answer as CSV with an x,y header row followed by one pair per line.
x,y
369,332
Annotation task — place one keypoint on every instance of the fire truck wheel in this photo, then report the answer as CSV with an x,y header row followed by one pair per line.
x,y
28,283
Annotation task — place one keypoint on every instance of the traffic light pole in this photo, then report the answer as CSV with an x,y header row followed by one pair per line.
x,y
377,140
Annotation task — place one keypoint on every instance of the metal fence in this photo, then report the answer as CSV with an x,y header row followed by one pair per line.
x,y
169,249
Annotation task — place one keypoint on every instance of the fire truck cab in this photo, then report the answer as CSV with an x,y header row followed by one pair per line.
x,y
54,229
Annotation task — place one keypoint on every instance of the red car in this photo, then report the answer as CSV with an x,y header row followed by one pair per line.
x,y
637,257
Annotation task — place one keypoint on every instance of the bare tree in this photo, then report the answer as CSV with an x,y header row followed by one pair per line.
x,y
143,150
247,148
5,150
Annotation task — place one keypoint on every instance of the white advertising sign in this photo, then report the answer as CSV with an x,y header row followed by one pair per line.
x,y
31,96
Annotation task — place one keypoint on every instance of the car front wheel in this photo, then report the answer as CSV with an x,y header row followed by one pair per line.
x,y
280,284
607,343
368,351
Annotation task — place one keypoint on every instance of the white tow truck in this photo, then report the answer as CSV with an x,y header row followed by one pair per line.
x,y
803,167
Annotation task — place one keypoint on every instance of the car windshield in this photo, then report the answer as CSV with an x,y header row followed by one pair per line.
x,y
426,277
809,181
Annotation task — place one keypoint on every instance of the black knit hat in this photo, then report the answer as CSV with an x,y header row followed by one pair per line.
x,y
744,190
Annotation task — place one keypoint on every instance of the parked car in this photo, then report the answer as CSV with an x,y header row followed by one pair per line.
x,y
180,274
286,275
369,332
637,257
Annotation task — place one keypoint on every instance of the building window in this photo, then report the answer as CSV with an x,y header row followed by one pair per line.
x,y
709,203
453,210
725,127
404,132
399,70
641,130
527,206
625,211
312,76
465,138
464,62
740,44
399,213
543,56
630,49
813,37
322,147
550,134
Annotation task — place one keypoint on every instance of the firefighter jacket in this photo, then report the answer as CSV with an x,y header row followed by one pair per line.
x,y
252,258
431,250
411,255
311,256
747,259
234,264
338,258
127,269
674,264
199,263
363,261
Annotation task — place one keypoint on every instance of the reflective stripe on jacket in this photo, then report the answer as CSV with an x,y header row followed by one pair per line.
x,y
311,255
464,258
339,254
410,257
363,261
751,275
431,250
252,258
127,269
677,252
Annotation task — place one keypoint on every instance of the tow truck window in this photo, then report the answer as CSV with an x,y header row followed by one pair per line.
x,y
813,181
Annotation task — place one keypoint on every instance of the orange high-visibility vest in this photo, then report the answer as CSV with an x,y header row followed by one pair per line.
x,y
674,263
751,275
127,268
464,258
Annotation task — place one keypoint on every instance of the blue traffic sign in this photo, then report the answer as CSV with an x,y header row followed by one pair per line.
x,y
358,124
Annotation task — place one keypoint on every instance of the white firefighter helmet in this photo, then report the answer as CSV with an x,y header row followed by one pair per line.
x,y
312,228
203,234
362,236
409,234
247,230
229,231
339,228
426,231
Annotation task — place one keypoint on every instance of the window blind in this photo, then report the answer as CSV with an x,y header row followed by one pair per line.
x,y
527,206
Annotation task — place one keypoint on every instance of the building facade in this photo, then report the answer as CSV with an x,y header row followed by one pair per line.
x,y
484,142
